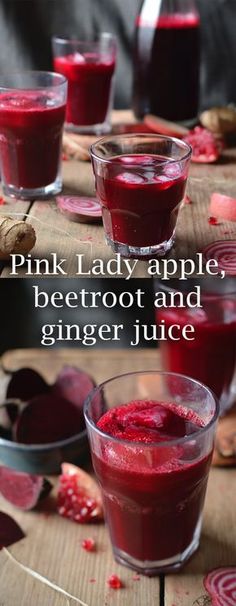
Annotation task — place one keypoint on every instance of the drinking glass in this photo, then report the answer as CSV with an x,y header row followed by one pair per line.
x,y
32,112
211,356
89,67
140,182
154,491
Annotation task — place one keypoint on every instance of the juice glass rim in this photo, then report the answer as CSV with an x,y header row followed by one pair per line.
x,y
167,443
95,41
57,80
144,136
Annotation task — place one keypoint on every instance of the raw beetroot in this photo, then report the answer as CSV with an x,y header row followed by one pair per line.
x,y
221,586
206,148
39,413
10,532
224,252
79,497
48,418
73,385
8,414
26,383
223,207
22,489
80,208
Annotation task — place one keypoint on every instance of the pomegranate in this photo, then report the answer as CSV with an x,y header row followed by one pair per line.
x,y
206,148
79,497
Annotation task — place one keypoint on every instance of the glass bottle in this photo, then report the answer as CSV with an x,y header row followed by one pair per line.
x,y
166,60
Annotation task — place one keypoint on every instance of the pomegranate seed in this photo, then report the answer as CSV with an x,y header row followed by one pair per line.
x,y
213,221
89,544
187,200
2,201
114,582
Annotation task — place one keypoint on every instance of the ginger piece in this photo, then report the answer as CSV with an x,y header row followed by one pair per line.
x,y
225,442
219,120
16,237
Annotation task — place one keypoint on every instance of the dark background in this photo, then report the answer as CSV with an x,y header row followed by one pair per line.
x,y
20,323
26,27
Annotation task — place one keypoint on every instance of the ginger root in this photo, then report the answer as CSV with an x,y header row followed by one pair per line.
x,y
219,120
15,237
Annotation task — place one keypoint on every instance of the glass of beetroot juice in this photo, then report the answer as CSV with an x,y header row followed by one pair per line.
x,y
89,67
32,113
151,438
211,356
140,182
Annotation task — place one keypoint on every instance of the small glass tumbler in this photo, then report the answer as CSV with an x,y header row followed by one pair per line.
x,y
140,182
32,113
153,492
89,67
211,356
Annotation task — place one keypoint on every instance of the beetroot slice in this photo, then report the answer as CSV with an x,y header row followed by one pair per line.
x,y
224,252
80,208
74,385
48,418
22,489
26,383
10,532
221,585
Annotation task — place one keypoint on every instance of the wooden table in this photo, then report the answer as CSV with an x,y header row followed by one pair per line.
x,y
55,233
53,545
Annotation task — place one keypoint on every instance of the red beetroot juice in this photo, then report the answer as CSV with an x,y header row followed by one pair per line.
x,y
211,356
166,66
89,85
140,203
152,510
30,138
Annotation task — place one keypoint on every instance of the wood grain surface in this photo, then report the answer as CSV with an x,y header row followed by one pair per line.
x,y
53,545
55,233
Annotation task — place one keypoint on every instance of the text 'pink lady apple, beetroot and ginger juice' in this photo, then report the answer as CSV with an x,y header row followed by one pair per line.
x,y
166,60
31,122
89,68
140,190
211,356
152,458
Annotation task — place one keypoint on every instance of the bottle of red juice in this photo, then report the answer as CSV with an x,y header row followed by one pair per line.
x,y
166,60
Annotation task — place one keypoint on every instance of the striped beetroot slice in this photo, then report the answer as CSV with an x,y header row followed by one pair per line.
x,y
221,585
80,206
224,252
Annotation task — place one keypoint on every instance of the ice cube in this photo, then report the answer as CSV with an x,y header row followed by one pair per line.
x,y
130,178
78,58
173,171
